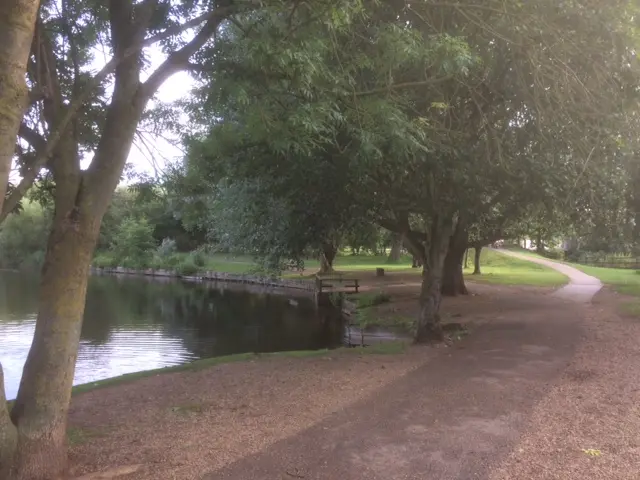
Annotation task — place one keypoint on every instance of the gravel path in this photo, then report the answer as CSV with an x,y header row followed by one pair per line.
x,y
588,426
455,417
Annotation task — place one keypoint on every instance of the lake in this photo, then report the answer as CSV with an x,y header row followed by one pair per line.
x,y
133,324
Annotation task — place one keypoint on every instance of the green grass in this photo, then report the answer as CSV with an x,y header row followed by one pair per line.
x,y
625,281
351,263
370,299
239,264
365,318
504,270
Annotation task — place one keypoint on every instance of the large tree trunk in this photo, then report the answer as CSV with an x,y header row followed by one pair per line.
x,y
327,257
81,199
539,243
452,274
40,410
8,433
476,261
396,248
429,328
17,24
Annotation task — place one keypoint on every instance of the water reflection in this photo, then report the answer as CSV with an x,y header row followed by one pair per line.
x,y
133,324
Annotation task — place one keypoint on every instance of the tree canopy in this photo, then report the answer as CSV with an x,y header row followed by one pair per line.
x,y
444,122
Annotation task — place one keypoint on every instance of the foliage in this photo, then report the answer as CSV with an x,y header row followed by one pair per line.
x,y
23,238
133,243
166,248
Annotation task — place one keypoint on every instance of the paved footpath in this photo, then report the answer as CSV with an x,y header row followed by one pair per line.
x,y
581,287
459,416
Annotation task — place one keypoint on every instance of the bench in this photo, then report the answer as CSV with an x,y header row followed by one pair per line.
x,y
336,283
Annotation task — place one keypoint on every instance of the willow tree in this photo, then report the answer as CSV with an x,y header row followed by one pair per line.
x,y
434,107
78,116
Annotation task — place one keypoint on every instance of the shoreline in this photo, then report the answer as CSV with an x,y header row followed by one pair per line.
x,y
211,276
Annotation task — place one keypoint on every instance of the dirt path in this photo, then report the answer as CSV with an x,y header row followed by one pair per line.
x,y
453,417
547,386
546,391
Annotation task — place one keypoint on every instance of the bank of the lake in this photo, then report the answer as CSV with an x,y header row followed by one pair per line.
x,y
136,323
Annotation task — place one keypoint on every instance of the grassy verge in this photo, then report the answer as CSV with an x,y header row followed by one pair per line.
x,y
504,270
625,281
367,318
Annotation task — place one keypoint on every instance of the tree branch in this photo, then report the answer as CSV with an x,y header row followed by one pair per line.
x,y
179,60
403,86
32,137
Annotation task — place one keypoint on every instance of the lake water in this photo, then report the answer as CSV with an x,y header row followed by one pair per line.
x,y
133,324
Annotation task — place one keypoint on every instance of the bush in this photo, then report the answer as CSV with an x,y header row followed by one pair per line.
x,y
133,243
199,258
187,266
135,263
167,248
104,260
554,254
169,262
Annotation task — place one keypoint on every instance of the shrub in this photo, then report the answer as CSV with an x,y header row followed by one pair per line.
x,y
104,260
554,254
133,243
199,258
169,262
167,248
187,266
135,263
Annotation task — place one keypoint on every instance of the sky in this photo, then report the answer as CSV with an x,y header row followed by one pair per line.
x,y
154,154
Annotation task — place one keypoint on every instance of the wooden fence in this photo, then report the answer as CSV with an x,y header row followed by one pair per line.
x,y
611,261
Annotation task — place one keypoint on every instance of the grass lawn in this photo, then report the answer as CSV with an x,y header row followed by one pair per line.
x,y
626,281
343,263
496,268
229,264
504,270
